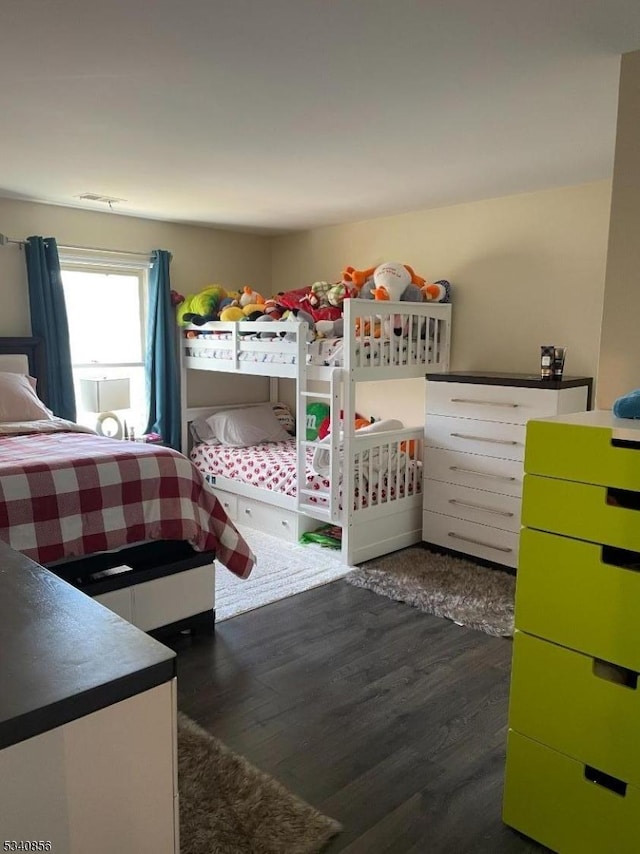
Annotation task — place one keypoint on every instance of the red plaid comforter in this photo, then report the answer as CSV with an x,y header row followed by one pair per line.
x,y
67,494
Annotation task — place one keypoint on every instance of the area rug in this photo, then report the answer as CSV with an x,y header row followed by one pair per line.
x,y
283,569
471,595
227,806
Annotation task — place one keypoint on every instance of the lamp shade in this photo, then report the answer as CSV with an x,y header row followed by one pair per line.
x,y
104,395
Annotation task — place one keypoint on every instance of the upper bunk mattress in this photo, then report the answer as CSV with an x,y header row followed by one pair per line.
x,y
327,352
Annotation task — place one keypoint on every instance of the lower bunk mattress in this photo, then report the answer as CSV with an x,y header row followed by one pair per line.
x,y
272,467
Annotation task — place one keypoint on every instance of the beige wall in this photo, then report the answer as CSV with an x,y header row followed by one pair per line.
x,y
619,367
526,270
201,256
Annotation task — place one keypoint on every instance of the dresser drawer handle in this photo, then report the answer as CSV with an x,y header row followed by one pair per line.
x,y
615,673
480,507
484,439
484,402
613,784
247,510
482,473
479,542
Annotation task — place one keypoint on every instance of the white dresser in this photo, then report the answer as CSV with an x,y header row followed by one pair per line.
x,y
474,455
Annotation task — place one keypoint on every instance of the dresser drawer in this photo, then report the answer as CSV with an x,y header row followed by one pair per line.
x,y
490,473
510,404
229,501
550,798
567,593
471,538
576,704
580,510
476,505
173,597
581,452
268,518
487,438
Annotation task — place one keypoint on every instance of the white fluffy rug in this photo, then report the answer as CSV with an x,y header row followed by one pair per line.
x,y
282,570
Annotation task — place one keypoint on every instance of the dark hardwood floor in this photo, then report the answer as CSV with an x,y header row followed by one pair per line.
x,y
389,720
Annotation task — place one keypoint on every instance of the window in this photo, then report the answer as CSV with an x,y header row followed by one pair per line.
x,y
106,310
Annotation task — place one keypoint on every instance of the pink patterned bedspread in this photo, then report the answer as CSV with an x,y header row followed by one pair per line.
x,y
272,466
67,494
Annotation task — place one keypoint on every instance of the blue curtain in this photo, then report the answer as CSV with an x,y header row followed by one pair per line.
x,y
49,322
161,363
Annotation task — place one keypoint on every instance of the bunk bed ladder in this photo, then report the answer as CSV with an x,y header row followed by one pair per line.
x,y
330,512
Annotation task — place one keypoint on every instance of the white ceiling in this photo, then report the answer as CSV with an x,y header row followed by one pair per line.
x,y
288,114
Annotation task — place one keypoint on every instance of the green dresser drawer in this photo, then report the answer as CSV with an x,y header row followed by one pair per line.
x,y
567,593
577,705
550,798
580,452
580,510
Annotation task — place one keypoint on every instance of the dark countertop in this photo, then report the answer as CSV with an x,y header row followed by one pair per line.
x,y
508,379
62,655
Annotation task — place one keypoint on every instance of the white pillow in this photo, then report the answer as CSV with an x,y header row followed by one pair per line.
x,y
241,428
201,431
382,426
18,399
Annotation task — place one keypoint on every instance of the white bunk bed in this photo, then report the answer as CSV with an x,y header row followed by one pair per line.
x,y
374,520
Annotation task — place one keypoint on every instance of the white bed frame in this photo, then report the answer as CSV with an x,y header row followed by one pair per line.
x,y
367,531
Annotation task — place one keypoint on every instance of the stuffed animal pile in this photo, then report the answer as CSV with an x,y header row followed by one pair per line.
x,y
216,303
319,304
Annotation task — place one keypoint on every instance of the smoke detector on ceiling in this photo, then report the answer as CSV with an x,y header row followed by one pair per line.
x,y
97,197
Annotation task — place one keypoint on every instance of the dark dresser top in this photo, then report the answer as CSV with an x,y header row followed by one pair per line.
x,y
62,655
499,378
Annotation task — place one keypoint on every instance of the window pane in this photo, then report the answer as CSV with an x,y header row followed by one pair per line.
x,y
104,314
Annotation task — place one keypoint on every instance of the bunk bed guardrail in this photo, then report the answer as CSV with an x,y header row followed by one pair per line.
x,y
393,339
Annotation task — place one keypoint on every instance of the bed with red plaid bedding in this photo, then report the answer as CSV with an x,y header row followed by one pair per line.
x,y
65,492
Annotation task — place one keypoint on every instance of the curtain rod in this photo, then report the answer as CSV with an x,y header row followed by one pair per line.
x,y
4,240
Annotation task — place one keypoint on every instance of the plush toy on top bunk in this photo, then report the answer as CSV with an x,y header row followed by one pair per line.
x,y
439,291
216,303
321,301
396,283
201,307
320,305
389,281
248,306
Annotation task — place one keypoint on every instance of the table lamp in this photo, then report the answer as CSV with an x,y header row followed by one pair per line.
x,y
103,396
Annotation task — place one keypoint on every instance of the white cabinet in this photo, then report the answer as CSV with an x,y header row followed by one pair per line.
x,y
103,783
475,428
88,722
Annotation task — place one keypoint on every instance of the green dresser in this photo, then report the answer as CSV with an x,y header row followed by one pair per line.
x,y
572,777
